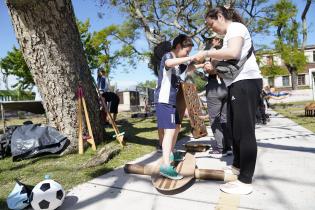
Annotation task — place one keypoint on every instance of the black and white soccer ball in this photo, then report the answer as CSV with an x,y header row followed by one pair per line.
x,y
48,195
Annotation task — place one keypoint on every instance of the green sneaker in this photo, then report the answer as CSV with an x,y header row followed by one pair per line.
x,y
176,157
170,172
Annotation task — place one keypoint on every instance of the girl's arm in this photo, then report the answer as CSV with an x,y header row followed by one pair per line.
x,y
170,63
193,67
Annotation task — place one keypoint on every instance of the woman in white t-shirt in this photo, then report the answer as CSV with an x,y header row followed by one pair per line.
x,y
243,94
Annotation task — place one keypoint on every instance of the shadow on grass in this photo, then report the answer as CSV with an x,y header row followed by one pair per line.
x,y
3,204
100,172
26,162
132,132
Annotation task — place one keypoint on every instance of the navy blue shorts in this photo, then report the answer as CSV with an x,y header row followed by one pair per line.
x,y
167,116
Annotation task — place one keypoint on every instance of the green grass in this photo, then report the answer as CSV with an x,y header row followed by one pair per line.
x,y
141,137
295,112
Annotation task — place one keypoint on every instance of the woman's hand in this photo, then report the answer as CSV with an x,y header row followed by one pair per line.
x,y
199,57
208,68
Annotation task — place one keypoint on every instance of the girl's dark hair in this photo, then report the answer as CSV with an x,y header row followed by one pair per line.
x,y
183,40
229,14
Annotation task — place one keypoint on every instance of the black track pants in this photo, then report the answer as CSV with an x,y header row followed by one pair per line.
x,y
243,99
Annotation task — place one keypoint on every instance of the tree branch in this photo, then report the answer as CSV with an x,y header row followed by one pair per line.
x,y
130,44
304,25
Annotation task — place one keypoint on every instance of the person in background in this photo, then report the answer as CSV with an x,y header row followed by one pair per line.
x,y
273,93
102,80
216,95
111,98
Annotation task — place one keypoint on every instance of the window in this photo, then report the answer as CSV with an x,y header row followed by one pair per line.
x,y
271,81
313,56
269,60
285,81
301,79
134,98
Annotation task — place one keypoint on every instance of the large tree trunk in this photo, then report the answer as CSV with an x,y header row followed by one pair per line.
x,y
47,33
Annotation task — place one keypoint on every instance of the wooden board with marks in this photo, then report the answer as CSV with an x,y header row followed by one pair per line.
x,y
187,97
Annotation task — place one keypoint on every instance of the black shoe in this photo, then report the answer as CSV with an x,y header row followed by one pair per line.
x,y
159,148
217,153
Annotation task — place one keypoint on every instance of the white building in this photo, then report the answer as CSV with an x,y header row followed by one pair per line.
x,y
305,79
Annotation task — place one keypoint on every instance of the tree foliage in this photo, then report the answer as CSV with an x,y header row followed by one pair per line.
x,y
273,70
287,42
98,47
14,64
148,84
199,82
16,95
162,20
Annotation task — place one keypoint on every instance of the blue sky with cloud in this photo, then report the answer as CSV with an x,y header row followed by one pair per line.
x,y
85,9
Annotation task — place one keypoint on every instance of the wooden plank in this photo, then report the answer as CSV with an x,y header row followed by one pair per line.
x,y
192,102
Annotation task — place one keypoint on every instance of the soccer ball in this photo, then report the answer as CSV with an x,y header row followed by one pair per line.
x,y
47,194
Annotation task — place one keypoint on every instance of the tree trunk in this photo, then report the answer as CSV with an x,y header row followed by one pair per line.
x,y
49,39
294,76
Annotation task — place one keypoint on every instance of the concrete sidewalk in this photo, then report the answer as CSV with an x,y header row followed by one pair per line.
x,y
284,179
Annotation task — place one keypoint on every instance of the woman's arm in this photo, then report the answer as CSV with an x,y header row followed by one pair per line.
x,y
199,66
233,50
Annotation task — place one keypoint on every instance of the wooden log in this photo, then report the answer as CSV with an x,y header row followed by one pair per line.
x,y
204,174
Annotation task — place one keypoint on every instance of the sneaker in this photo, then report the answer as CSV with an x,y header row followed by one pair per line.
x,y
218,153
159,148
229,152
237,187
170,172
232,170
176,157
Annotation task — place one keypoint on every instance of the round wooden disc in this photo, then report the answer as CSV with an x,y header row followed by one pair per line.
x,y
185,168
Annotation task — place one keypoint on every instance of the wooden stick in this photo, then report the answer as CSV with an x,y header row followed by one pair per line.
x,y
87,119
119,136
205,174
80,129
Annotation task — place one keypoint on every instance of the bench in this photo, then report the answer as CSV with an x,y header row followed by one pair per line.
x,y
310,109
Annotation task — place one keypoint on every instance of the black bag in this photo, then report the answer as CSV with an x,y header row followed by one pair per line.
x,y
230,69
29,141
5,141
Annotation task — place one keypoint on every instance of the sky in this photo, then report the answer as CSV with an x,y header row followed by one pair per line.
x,y
85,9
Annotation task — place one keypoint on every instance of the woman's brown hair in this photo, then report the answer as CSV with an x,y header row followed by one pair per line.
x,y
229,14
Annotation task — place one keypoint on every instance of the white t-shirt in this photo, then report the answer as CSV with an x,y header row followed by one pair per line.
x,y
250,68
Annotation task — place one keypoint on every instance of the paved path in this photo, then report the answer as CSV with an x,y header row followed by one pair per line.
x,y
284,179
